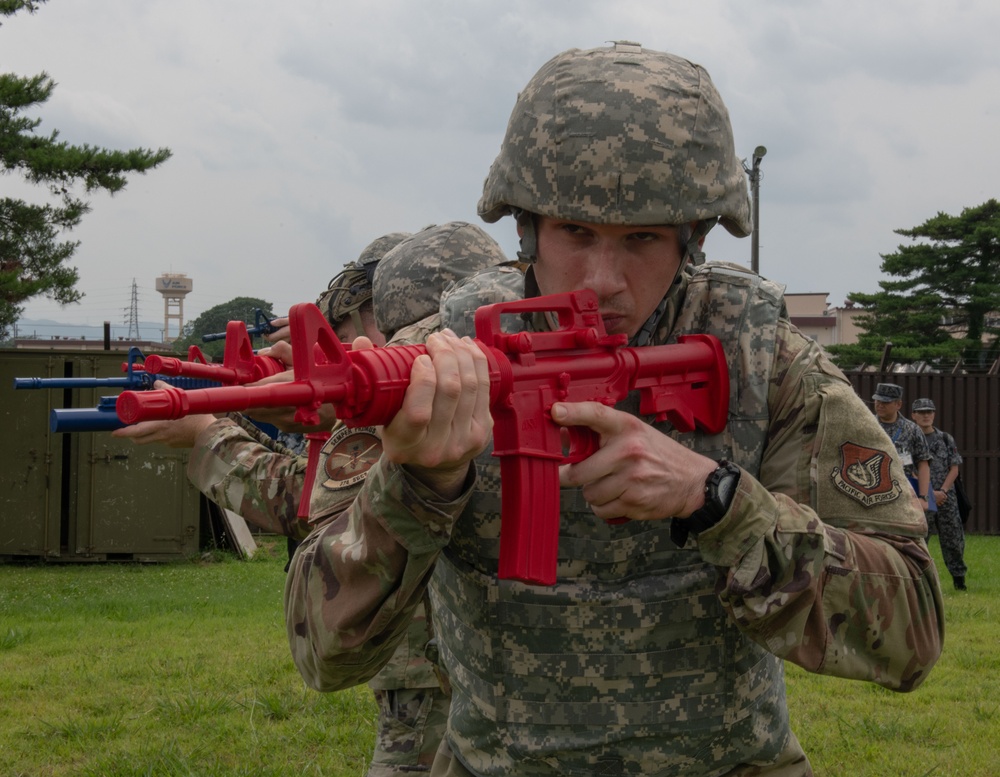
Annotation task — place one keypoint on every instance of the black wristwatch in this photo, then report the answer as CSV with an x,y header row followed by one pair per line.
x,y
720,488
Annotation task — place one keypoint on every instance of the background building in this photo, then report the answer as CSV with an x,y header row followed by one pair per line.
x,y
812,314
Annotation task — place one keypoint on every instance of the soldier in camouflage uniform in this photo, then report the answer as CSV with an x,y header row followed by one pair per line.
x,y
235,464
908,440
412,697
794,536
348,305
396,282
945,461
350,293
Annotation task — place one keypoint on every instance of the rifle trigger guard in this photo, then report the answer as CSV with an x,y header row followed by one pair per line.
x,y
583,443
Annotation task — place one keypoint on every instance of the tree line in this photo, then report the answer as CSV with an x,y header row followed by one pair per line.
x,y
940,303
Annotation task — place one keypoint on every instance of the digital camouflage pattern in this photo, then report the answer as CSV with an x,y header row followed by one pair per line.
x,y
411,277
296,443
909,441
644,657
647,658
411,691
351,288
590,139
407,287
503,283
946,521
888,392
243,470
408,666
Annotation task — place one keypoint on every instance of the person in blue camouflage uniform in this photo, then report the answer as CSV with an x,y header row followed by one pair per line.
x,y
395,284
795,535
908,440
944,463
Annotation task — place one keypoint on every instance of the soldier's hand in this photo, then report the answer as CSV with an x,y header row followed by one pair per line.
x,y
445,421
637,472
282,333
282,351
179,433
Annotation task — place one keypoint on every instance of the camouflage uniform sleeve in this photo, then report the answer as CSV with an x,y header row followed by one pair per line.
x,y
355,583
822,558
246,473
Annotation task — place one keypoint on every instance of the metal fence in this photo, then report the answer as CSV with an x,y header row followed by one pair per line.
x,y
968,408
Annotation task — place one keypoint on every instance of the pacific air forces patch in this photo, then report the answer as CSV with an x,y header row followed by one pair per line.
x,y
348,455
864,475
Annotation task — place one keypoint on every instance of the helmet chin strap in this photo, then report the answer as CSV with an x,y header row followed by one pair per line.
x,y
691,238
527,228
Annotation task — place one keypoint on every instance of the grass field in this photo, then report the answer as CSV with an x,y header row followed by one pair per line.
x,y
183,669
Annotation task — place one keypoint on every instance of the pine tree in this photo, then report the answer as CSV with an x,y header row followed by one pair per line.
x,y
33,257
214,321
942,305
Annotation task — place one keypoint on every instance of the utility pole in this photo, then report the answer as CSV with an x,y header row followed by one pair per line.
x,y
754,172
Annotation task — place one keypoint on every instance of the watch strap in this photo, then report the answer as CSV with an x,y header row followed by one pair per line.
x,y
713,510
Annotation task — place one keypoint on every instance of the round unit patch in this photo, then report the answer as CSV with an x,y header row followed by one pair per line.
x,y
349,454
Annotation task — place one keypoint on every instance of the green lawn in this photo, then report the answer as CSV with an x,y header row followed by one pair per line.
x,y
183,669
948,727
173,669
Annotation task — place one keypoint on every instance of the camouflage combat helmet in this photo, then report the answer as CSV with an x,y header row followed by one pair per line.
x,y
411,277
620,135
352,287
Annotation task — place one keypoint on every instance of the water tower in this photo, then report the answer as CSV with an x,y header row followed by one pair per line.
x,y
174,287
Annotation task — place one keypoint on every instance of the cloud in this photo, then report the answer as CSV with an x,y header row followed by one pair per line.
x,y
302,131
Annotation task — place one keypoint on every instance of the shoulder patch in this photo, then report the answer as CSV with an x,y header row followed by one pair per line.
x,y
348,455
864,475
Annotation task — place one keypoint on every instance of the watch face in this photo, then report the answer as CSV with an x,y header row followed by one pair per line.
x,y
349,454
727,489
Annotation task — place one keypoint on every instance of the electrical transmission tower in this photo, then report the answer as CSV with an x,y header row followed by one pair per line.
x,y
132,314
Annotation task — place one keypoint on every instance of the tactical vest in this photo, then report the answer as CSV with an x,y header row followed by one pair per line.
x,y
628,664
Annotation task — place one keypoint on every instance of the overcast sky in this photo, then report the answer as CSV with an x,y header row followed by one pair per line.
x,y
303,130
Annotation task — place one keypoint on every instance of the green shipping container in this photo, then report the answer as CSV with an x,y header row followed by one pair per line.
x,y
85,496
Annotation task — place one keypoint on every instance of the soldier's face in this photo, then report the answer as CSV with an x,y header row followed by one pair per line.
x,y
887,411
346,331
924,419
629,268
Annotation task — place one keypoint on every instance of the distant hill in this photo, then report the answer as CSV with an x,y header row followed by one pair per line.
x,y
44,329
